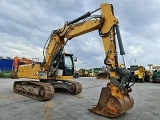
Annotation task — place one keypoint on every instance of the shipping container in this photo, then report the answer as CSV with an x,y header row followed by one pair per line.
x,y
6,64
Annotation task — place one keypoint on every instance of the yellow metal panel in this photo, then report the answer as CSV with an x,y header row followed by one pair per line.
x,y
76,30
110,19
52,48
64,77
29,71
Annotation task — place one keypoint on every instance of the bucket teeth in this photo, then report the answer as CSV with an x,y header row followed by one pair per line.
x,y
112,106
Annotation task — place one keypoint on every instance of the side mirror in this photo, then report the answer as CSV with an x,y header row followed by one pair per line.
x,y
75,59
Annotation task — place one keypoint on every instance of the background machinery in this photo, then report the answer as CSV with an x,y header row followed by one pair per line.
x,y
103,74
83,72
94,71
147,76
114,98
133,68
156,74
139,73
16,62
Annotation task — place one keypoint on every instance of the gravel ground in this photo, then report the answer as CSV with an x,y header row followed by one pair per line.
x,y
68,107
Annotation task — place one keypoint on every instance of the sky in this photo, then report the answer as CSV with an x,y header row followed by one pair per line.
x,y
25,26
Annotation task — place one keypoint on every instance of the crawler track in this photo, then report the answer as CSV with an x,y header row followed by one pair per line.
x,y
36,90
44,90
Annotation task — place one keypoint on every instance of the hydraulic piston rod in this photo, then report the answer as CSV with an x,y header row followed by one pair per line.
x,y
82,17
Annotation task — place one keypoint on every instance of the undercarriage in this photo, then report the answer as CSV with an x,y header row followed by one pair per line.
x,y
45,89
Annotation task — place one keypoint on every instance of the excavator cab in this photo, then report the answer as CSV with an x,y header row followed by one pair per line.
x,y
67,65
64,64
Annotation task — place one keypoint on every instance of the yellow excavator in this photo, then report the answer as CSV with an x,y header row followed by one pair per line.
x,y
57,67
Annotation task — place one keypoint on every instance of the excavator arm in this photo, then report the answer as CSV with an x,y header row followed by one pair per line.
x,y
104,23
108,27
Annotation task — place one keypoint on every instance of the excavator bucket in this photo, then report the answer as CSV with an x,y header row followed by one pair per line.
x,y
102,76
112,103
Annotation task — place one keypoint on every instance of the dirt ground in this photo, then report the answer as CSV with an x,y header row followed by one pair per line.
x,y
68,107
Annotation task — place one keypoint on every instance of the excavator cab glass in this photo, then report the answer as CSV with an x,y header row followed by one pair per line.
x,y
67,65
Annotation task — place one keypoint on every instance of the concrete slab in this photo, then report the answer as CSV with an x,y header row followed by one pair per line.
x,y
68,107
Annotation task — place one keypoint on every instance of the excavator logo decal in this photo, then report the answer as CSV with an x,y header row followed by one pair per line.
x,y
111,107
